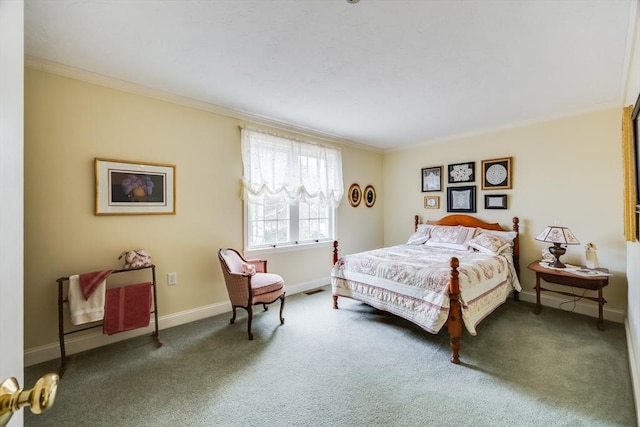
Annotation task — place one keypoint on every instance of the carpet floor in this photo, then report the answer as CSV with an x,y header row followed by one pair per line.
x,y
355,366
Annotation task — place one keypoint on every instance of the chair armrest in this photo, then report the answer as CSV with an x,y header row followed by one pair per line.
x,y
260,264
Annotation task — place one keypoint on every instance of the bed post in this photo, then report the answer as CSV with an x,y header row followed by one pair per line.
x,y
454,322
516,245
416,221
335,259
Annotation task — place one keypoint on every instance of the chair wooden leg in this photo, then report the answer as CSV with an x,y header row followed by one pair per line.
x,y
233,319
250,312
265,306
281,309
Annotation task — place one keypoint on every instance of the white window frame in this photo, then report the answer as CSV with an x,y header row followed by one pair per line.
x,y
289,247
294,203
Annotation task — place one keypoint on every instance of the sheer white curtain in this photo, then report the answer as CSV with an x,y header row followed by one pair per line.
x,y
298,171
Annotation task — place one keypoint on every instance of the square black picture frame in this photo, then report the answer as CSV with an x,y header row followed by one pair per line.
x,y
461,199
495,201
431,179
462,172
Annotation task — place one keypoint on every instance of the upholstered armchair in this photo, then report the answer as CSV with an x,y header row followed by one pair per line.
x,y
249,283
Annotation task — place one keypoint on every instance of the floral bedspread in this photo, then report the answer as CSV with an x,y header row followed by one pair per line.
x,y
411,281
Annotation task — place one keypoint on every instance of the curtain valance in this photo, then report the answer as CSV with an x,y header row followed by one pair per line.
x,y
296,170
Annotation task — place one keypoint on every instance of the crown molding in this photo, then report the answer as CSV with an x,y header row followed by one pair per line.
x,y
124,86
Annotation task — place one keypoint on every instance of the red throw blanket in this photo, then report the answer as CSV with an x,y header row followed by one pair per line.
x,y
127,308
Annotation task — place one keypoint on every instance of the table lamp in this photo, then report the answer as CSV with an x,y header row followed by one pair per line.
x,y
558,236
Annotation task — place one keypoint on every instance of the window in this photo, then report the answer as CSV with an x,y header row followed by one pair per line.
x,y
291,190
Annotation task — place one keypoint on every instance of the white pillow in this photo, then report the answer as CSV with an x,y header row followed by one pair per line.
x,y
451,237
508,236
489,243
420,236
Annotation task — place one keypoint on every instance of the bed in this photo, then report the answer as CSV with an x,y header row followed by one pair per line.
x,y
454,271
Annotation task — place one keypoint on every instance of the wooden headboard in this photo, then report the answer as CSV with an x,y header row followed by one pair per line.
x,y
470,221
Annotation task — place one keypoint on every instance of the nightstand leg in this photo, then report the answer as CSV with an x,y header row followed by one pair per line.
x,y
600,304
538,308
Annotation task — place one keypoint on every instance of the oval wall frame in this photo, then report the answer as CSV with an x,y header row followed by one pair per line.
x,y
355,195
369,196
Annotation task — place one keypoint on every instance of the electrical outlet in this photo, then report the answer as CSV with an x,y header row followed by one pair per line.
x,y
172,279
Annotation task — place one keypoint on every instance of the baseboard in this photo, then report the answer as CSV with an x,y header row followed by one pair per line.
x,y
635,384
588,308
87,341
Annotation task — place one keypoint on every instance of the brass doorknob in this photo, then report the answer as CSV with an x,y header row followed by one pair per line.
x,y
39,398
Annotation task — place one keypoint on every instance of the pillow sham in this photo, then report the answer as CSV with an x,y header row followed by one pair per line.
x,y
420,236
451,237
509,236
489,243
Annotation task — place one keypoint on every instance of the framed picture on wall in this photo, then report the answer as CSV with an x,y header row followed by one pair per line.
x,y
369,196
134,188
496,174
461,199
495,201
635,129
462,172
432,179
432,202
355,195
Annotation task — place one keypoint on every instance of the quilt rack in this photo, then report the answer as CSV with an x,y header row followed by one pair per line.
x,y
62,299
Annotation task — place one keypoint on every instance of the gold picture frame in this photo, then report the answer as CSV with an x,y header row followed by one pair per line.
x,y
126,187
369,196
432,202
496,174
355,195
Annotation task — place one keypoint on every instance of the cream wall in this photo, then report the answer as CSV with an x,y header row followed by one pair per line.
x,y
568,170
69,122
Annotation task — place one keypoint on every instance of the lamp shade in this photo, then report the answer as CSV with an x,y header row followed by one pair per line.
x,y
556,234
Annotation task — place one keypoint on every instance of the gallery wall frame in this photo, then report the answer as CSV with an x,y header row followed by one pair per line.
x,y
462,172
461,199
496,174
495,201
432,202
125,187
431,179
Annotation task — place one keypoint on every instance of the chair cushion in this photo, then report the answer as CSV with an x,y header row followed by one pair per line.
x,y
264,283
233,261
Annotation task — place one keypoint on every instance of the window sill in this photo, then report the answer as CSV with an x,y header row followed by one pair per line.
x,y
262,252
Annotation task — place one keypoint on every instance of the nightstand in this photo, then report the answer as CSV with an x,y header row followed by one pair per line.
x,y
562,277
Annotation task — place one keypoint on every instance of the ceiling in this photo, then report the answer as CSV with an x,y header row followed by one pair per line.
x,y
384,73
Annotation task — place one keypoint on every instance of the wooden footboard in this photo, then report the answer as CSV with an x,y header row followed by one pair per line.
x,y
454,319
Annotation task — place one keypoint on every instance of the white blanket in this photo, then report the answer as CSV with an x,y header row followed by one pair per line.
x,y
89,310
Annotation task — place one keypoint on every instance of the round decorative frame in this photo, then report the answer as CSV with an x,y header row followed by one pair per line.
x,y
355,195
369,196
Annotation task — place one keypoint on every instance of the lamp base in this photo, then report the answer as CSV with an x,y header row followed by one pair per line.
x,y
557,251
